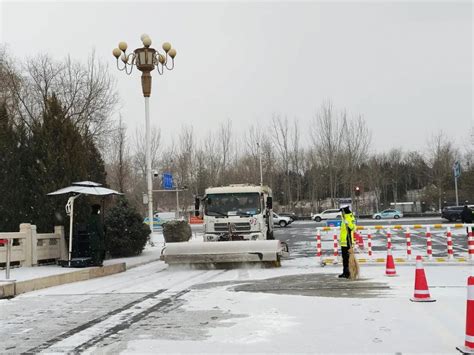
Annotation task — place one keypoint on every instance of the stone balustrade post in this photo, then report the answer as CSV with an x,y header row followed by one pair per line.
x,y
27,243
59,231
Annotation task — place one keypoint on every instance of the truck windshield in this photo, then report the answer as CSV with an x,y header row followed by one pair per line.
x,y
246,204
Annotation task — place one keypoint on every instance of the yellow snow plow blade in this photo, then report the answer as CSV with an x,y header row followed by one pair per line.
x,y
254,251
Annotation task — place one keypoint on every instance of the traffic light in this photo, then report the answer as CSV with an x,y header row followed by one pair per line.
x,y
197,202
357,191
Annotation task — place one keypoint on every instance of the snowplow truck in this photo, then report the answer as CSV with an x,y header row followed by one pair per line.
x,y
238,228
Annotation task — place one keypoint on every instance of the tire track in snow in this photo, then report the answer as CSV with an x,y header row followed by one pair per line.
x,y
79,339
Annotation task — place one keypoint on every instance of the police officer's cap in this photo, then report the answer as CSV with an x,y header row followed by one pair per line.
x,y
346,209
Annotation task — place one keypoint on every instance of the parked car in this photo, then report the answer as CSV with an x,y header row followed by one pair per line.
x,y
281,221
327,214
453,213
292,215
388,214
157,222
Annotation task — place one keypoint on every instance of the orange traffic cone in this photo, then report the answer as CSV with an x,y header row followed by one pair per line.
x,y
468,347
422,293
390,264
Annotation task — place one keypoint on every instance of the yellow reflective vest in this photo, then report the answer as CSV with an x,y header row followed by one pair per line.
x,y
347,223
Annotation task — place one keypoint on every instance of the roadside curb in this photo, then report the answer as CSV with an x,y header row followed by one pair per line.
x,y
128,267
15,288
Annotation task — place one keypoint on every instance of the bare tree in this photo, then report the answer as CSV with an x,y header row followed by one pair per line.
x,y
185,154
317,179
9,77
326,139
118,161
86,91
395,160
212,155
282,143
201,174
441,157
355,144
297,157
139,160
254,139
184,161
225,149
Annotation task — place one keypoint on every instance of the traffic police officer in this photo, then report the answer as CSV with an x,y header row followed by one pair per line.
x,y
346,238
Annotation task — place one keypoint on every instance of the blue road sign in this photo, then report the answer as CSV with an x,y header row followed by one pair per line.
x,y
457,169
167,181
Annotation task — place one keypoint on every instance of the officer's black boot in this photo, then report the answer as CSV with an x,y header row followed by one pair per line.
x,y
345,273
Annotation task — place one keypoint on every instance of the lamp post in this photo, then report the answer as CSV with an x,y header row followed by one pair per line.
x,y
260,162
146,59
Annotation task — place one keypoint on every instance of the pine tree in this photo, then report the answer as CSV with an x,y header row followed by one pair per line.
x,y
7,175
61,156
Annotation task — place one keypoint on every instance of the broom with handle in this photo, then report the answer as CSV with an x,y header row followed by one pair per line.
x,y
353,264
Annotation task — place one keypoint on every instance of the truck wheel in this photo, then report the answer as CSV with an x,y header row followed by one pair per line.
x,y
282,224
318,219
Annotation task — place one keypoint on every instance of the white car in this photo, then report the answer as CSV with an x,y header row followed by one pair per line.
x,y
281,221
388,214
327,214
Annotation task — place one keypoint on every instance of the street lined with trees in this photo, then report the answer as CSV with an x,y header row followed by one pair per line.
x,y
60,123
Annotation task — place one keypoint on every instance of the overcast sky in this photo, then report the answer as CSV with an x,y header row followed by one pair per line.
x,y
405,66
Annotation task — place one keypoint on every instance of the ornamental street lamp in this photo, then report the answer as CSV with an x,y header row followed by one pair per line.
x,y
146,59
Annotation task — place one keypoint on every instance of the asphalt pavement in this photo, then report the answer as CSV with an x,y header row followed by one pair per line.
x,y
301,238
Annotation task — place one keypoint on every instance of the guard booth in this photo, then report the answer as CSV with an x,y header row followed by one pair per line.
x,y
78,189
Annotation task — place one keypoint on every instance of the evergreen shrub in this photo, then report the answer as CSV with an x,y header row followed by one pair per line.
x,y
126,234
176,231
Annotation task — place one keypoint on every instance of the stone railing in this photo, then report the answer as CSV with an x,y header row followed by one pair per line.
x,y
29,248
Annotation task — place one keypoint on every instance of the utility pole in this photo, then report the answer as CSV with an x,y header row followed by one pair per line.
x,y
457,174
260,158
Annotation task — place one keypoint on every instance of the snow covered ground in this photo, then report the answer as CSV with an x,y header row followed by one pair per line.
x,y
298,308
267,322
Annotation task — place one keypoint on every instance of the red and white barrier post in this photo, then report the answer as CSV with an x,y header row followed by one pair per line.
x,y
359,240
369,244
319,253
470,244
336,247
468,347
408,238
389,240
429,244
449,242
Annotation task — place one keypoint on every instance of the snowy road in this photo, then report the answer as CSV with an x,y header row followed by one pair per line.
x,y
299,307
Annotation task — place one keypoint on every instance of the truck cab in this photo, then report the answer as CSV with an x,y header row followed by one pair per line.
x,y
241,211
